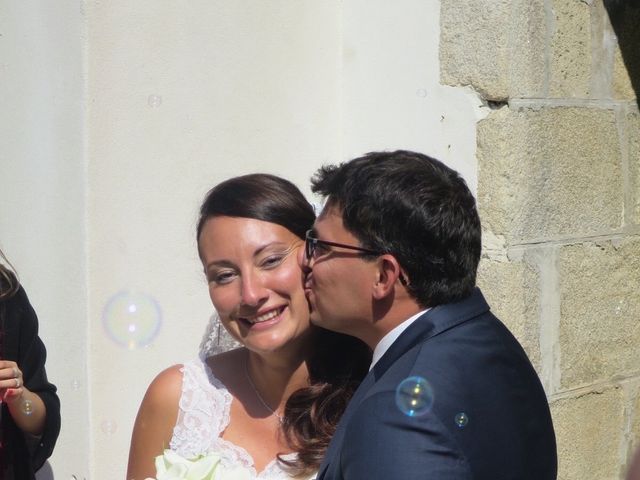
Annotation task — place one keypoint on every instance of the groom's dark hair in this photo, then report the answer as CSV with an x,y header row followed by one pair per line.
x,y
415,208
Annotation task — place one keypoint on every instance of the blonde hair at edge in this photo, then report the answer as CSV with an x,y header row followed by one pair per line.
x,y
8,278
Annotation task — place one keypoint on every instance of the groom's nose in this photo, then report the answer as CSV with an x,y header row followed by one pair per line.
x,y
303,261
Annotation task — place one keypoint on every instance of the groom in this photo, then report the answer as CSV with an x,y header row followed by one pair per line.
x,y
451,394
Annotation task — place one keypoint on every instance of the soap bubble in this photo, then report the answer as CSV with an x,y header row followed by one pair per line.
x,y
132,320
461,420
154,101
26,407
108,427
75,384
421,92
414,396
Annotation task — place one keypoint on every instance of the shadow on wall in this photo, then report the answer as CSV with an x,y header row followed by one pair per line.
x,y
625,19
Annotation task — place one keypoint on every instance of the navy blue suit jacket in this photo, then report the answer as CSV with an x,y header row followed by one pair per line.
x,y
475,366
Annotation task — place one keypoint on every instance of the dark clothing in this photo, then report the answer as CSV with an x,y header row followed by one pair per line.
x,y
21,344
475,367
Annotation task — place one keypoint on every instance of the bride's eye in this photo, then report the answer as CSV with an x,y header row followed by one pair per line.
x,y
221,278
272,261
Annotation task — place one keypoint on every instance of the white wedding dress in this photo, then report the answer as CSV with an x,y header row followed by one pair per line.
x,y
202,417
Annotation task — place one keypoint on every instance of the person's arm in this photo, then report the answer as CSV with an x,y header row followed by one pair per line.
x,y
382,443
34,406
154,424
26,408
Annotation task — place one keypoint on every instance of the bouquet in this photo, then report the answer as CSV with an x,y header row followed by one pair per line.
x,y
171,466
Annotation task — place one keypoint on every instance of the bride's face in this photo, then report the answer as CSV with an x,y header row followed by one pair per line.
x,y
255,282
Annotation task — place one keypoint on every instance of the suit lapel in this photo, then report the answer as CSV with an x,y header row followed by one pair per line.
x,y
432,323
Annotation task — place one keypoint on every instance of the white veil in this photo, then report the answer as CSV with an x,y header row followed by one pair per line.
x,y
216,339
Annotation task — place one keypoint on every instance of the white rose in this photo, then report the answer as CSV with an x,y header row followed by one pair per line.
x,y
171,466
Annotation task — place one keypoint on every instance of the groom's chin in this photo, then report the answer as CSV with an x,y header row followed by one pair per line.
x,y
313,312
314,317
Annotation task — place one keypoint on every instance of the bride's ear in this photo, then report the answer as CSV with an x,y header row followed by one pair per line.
x,y
388,274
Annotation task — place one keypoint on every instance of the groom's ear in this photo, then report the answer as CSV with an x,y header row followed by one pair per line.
x,y
388,275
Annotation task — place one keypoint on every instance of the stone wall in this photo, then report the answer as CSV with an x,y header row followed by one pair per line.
x,y
559,196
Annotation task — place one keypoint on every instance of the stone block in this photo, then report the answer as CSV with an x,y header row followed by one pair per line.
x,y
512,290
570,49
527,51
549,172
633,127
621,82
474,45
589,430
599,331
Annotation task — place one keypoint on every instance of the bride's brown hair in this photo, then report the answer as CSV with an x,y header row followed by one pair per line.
x,y
338,362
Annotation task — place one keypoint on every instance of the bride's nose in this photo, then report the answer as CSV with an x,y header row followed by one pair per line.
x,y
252,290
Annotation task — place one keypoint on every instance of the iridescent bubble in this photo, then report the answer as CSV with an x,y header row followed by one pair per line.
x,y
131,319
414,396
75,384
421,92
154,101
108,427
461,420
26,407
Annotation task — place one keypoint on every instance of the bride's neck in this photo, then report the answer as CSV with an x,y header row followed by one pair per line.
x,y
276,377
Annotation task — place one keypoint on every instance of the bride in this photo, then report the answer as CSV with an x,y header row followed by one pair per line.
x,y
271,405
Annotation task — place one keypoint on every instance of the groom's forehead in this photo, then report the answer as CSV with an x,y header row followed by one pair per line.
x,y
330,217
330,206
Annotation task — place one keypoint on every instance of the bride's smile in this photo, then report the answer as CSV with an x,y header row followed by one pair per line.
x,y
265,319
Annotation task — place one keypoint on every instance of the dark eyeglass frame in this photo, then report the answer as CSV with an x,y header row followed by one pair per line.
x,y
310,244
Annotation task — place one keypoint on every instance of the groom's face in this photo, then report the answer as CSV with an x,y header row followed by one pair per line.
x,y
338,280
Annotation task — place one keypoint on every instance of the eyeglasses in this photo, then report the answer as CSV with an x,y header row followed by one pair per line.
x,y
311,244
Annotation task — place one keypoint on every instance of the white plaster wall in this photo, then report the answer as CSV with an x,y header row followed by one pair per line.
x,y
392,97
236,86
42,197
245,86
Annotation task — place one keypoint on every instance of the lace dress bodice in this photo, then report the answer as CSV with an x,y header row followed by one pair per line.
x,y
203,415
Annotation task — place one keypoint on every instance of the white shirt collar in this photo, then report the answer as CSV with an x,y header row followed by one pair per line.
x,y
386,341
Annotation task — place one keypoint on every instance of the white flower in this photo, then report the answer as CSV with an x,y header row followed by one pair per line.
x,y
171,466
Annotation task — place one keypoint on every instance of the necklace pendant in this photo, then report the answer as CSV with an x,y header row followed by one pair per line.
x,y
259,397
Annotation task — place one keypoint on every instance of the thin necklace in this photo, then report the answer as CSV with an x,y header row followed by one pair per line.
x,y
255,390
